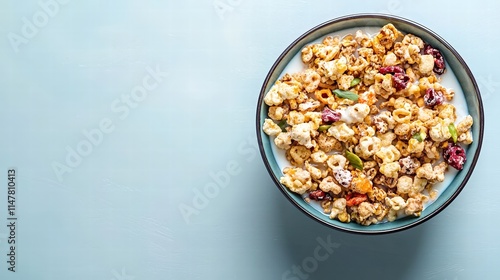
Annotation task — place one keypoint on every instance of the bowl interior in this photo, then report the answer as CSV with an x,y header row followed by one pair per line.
x,y
453,60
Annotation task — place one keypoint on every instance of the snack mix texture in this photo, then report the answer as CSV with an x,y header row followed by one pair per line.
x,y
367,127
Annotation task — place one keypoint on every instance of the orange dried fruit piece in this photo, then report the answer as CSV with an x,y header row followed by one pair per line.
x,y
361,184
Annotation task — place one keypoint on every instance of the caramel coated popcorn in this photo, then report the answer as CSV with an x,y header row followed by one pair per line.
x,y
366,124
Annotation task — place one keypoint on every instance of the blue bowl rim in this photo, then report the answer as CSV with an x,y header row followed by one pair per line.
x,y
390,18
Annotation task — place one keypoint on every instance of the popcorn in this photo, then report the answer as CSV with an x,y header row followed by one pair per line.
x,y
319,156
447,111
325,52
297,180
314,118
343,177
329,185
464,130
336,161
390,59
440,132
465,138
418,186
310,105
302,134
396,203
390,169
316,173
415,146
307,54
383,85
310,80
285,89
465,125
358,112
425,172
333,69
388,154
328,143
277,113
338,207
411,54
439,171
283,140
426,64
377,194
386,139
341,132
414,207
344,82
425,114
298,155
365,211
367,146
295,117
385,38
410,39
271,128
405,184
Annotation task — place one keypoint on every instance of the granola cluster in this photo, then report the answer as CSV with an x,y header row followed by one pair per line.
x,y
367,127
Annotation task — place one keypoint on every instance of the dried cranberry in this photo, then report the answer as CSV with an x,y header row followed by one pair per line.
x,y
319,195
330,116
439,65
391,70
399,77
433,98
455,156
400,80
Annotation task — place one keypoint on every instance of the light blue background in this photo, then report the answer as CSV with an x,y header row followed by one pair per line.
x,y
117,214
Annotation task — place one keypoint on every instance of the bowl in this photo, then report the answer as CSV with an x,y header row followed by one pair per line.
x,y
453,61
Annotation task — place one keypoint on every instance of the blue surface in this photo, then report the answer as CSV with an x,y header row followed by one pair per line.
x,y
171,185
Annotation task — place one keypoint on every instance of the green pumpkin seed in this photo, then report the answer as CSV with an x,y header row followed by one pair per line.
x,y
324,127
355,82
354,160
346,94
453,132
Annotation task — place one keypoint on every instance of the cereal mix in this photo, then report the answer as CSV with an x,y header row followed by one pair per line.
x,y
367,127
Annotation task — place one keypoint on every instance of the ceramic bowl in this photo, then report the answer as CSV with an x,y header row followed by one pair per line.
x,y
453,60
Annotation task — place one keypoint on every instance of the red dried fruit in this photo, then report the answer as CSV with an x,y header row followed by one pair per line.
x,y
319,195
400,81
391,70
353,199
455,156
433,98
330,116
439,65
399,77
